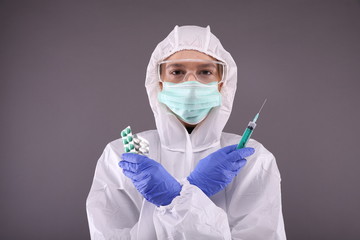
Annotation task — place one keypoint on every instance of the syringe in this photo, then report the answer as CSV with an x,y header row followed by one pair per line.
x,y
249,129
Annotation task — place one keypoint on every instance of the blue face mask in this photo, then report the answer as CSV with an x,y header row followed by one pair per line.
x,y
191,101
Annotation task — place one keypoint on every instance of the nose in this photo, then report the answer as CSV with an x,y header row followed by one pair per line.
x,y
190,77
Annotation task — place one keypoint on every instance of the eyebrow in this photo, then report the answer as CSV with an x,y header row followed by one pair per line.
x,y
182,65
207,65
175,65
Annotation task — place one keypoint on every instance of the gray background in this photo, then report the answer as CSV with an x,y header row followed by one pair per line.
x,y
72,77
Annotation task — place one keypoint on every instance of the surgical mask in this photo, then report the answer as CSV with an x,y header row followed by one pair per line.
x,y
191,101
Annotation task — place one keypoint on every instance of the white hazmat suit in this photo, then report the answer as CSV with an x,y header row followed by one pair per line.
x,y
248,208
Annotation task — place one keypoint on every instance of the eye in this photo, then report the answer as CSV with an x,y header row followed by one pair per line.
x,y
205,72
176,72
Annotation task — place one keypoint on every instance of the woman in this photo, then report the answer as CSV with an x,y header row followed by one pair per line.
x,y
194,184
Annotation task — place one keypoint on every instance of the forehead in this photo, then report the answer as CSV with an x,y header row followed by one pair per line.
x,y
190,54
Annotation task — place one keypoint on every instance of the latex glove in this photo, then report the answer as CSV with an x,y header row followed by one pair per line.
x,y
214,172
150,178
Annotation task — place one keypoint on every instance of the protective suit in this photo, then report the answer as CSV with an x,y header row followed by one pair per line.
x,y
248,208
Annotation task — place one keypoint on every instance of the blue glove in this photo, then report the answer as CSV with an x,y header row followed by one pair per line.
x,y
214,172
150,178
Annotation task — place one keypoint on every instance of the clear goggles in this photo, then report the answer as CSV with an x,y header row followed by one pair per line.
x,y
181,70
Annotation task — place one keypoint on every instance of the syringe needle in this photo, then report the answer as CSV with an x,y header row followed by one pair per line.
x,y
262,105
257,115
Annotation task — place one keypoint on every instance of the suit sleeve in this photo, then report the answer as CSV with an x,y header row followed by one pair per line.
x,y
254,200
192,215
112,208
252,208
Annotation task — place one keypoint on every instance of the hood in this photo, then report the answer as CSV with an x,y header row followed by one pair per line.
x,y
173,135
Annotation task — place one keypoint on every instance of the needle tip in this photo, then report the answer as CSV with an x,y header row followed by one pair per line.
x,y
262,105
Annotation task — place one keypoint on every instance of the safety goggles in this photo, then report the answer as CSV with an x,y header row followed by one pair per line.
x,y
181,70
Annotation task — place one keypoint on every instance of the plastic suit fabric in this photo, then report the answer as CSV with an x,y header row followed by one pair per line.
x,y
248,208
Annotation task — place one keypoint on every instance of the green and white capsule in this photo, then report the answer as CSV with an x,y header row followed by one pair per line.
x,y
133,143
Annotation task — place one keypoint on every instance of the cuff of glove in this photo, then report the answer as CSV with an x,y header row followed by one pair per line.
x,y
186,193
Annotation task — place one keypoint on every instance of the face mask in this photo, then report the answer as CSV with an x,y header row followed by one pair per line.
x,y
191,101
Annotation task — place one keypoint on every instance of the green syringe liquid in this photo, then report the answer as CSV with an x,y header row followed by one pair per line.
x,y
249,130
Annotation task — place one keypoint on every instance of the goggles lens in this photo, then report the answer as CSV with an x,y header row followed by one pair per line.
x,y
204,71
